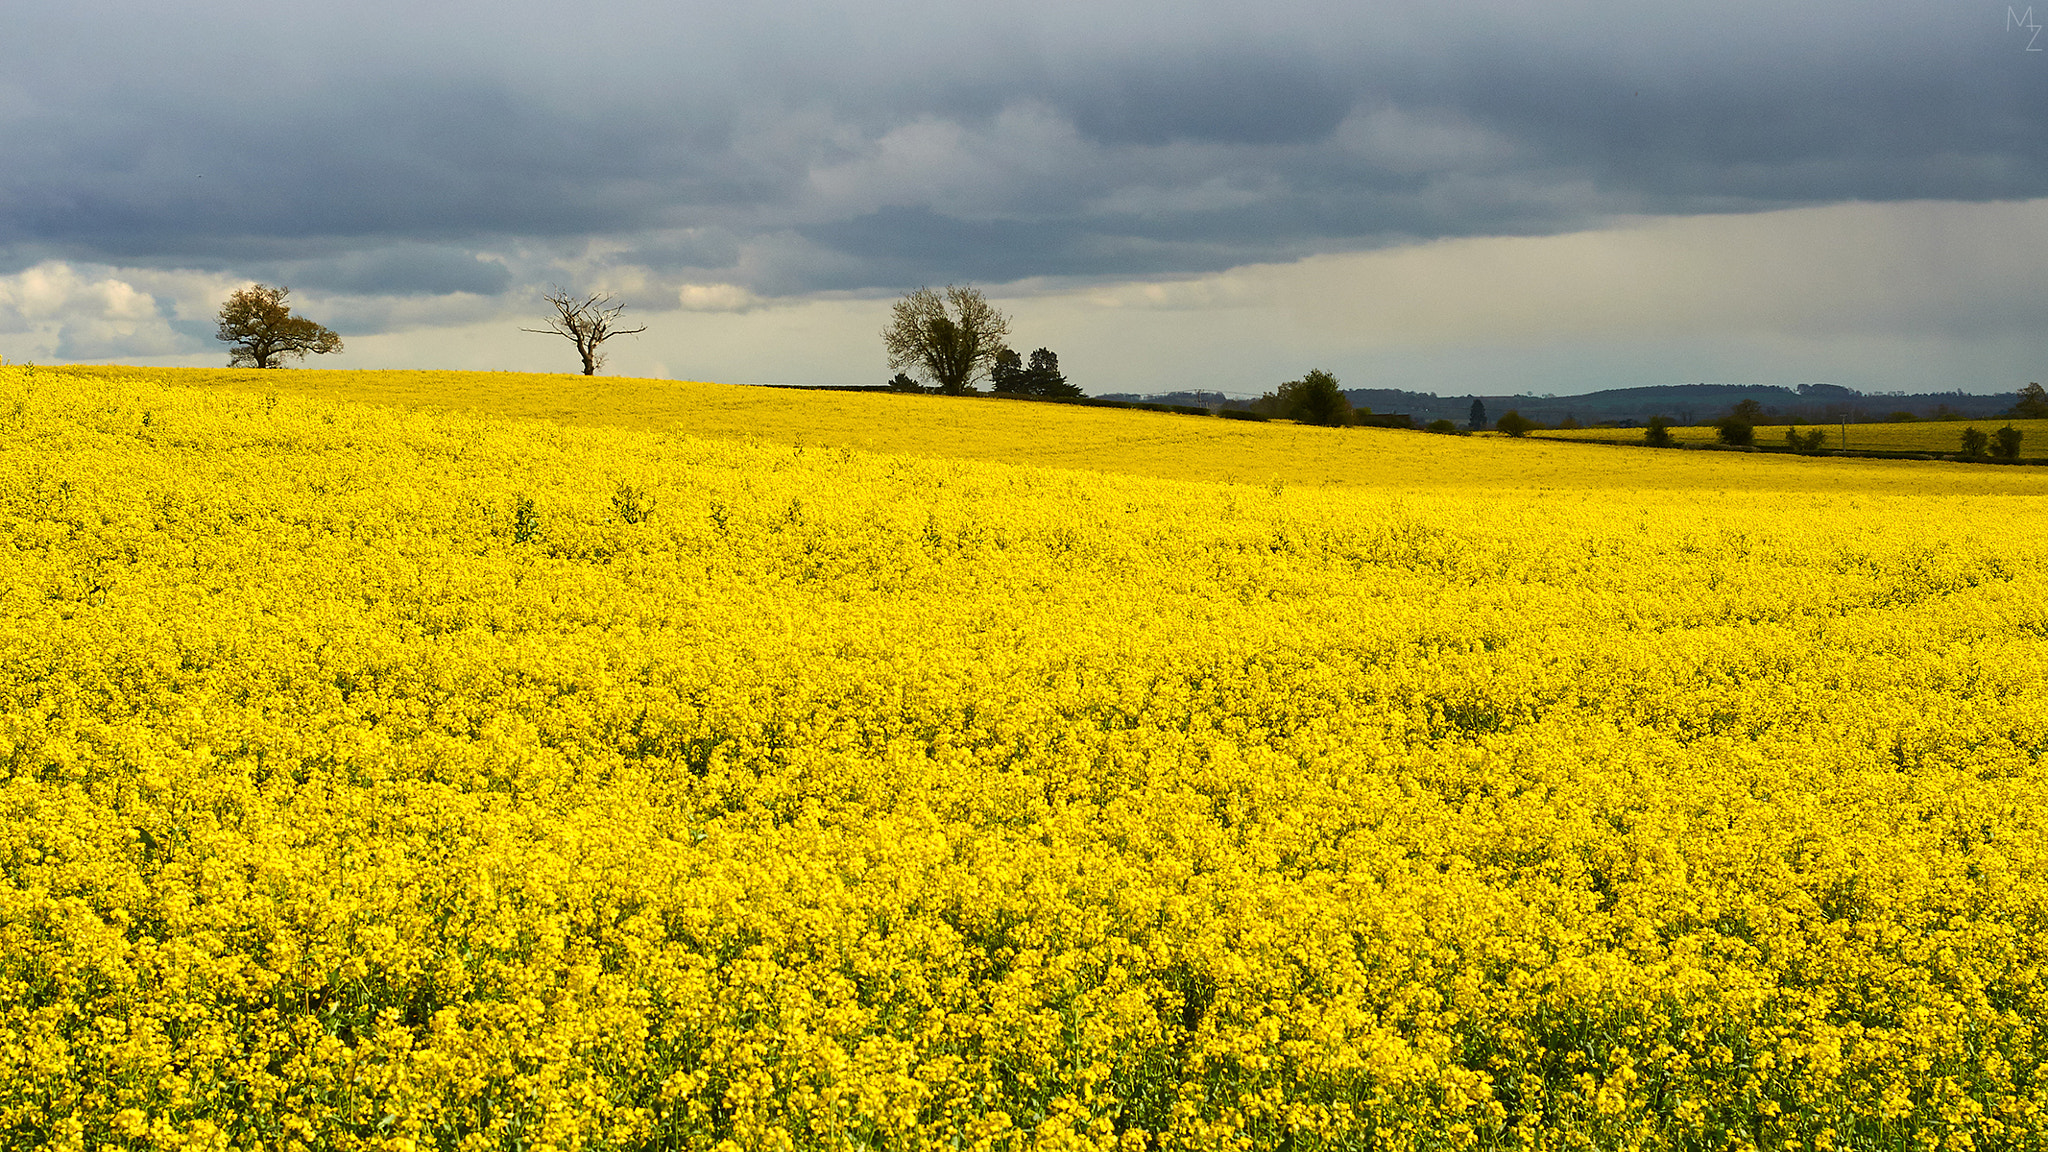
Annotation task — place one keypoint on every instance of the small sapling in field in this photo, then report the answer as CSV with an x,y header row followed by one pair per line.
x,y
525,520
633,504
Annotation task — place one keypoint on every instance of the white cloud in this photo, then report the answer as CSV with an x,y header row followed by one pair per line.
x,y
717,298
56,310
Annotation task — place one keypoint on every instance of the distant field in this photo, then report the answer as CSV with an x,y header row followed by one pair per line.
x,y
1135,443
1942,437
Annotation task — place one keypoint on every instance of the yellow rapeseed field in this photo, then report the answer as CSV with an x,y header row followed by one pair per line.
x,y
769,770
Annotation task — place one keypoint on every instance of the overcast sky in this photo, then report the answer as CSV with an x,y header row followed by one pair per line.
x,y
1548,196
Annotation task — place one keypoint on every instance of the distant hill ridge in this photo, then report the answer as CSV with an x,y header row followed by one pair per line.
x,y
1686,403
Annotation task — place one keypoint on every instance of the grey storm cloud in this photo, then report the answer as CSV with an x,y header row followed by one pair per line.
x,y
793,146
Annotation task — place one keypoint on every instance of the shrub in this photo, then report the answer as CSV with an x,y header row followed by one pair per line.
x,y
1515,424
633,504
1974,442
1313,399
2006,443
1734,430
1443,427
1657,434
1811,441
1569,422
525,520
1902,418
1242,414
903,383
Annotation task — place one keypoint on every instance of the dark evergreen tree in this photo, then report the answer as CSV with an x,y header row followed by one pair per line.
x,y
1006,373
1043,378
1478,420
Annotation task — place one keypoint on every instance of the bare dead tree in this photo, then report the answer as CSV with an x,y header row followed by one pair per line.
x,y
587,322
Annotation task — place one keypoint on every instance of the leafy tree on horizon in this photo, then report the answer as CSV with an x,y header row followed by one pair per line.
x,y
2033,404
950,340
261,332
1478,418
1313,399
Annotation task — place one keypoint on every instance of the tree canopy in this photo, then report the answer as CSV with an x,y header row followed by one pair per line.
x,y
948,339
1007,373
1313,399
1515,424
260,331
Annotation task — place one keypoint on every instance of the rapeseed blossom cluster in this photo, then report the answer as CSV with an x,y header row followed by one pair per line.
x,y
376,780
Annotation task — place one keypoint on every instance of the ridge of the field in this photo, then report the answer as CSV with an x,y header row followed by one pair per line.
x,y
1140,443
